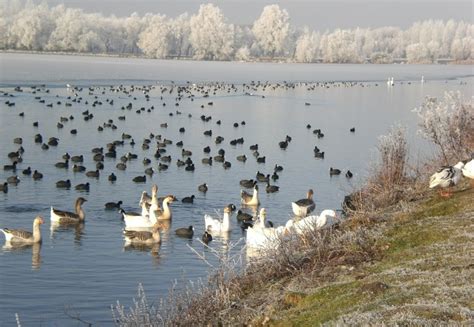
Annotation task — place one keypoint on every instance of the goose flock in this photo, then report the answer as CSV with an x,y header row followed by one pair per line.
x,y
110,160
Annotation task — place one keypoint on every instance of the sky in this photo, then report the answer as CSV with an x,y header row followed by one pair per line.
x,y
316,14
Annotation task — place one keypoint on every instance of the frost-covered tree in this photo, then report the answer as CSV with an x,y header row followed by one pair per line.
x,y
32,27
341,48
272,30
211,37
418,54
154,41
307,46
180,31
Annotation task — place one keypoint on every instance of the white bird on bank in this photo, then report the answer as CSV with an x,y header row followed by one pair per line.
x,y
468,170
325,219
261,236
15,236
446,177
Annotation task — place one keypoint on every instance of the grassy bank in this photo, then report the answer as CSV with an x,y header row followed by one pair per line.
x,y
423,275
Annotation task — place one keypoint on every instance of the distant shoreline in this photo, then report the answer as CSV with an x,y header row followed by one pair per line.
x,y
447,61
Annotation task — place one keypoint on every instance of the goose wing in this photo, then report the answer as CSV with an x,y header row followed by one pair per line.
x,y
442,177
19,233
304,202
245,196
65,214
138,235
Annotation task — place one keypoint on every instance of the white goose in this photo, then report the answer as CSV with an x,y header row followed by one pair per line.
x,y
216,225
446,177
326,218
303,207
15,236
260,236
468,170
68,218
250,199
148,218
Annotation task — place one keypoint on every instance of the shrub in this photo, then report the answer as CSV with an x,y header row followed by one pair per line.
x,y
448,123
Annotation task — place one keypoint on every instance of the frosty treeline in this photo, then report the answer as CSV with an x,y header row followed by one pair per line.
x,y
207,35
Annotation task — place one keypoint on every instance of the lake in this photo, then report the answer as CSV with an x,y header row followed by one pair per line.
x,y
86,270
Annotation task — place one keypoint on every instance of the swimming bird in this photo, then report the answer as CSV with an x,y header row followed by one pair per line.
x,y
446,177
262,177
66,217
93,174
143,237
27,171
334,171
16,236
140,179
4,187
203,188
248,183
243,216
349,174
37,175
185,232
11,167
206,237
217,225
188,199
113,205
271,188
82,187
250,199
303,207
261,234
63,184
112,177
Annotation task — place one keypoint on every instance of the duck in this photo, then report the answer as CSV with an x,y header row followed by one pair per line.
x,y
15,236
262,177
65,217
243,216
349,174
11,167
334,171
93,174
4,187
82,187
271,188
446,177
136,219
310,223
206,237
148,218
62,164
63,184
113,205
78,168
26,171
112,177
305,206
185,232
216,225
143,237
250,200
188,199
37,175
248,183
140,179
203,188
242,158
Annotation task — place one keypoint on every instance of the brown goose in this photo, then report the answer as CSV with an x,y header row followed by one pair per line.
x,y
143,237
23,236
65,217
303,207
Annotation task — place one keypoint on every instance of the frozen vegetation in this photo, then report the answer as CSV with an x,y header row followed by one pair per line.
x,y
207,35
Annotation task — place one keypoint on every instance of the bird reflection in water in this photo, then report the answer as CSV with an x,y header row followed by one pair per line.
x,y
60,228
153,249
22,248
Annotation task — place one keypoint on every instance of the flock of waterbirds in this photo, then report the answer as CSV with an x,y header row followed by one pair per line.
x,y
154,209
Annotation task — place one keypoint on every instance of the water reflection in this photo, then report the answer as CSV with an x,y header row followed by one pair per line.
x,y
57,229
20,248
153,249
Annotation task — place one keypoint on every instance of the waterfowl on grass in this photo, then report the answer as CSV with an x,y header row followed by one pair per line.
x,y
23,236
303,207
447,177
250,199
216,225
468,170
66,217
185,232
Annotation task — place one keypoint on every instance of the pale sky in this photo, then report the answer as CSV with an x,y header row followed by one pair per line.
x,y
317,14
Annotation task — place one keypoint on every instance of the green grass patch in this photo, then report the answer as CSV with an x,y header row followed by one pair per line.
x,y
324,305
